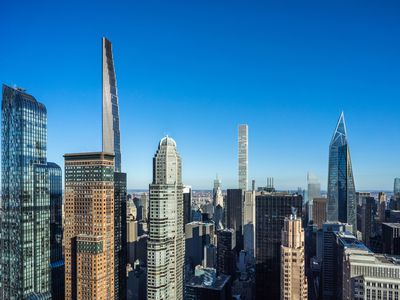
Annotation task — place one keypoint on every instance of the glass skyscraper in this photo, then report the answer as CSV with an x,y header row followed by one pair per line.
x,y
56,231
396,186
341,189
25,187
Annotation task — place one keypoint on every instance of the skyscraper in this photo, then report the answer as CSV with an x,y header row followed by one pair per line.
x,y
89,226
226,256
166,244
187,205
271,211
112,144
234,210
341,190
396,186
243,157
111,134
56,231
25,226
313,191
293,277
319,211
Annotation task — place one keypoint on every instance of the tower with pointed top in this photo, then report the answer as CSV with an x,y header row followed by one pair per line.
x,y
112,144
341,188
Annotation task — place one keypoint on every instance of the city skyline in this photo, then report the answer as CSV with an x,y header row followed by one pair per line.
x,y
304,87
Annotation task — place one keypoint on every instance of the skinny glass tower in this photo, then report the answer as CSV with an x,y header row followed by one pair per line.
x,y
166,243
25,226
111,134
341,189
243,157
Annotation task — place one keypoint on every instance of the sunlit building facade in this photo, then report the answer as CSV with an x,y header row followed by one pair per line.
x,y
243,156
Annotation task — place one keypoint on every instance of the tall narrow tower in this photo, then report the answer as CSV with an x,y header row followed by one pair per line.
x,y
112,144
341,190
166,243
293,278
243,157
111,134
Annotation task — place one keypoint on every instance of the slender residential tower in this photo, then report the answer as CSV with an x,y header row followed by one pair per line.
x,y
89,226
112,144
25,226
166,243
293,277
243,157
341,190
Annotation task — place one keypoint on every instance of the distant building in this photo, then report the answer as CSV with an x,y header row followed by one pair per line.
x,y
207,285
381,206
210,256
396,186
341,189
197,236
271,211
313,191
366,213
293,277
226,252
243,144
249,218
319,211
187,205
391,238
136,283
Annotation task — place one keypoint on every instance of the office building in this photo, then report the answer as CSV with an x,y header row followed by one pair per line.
x,y
132,237
226,252
319,211
396,186
391,238
381,206
210,256
89,226
366,219
341,189
243,156
25,186
234,210
293,277
166,243
136,283
197,236
271,211
370,276
207,285
187,205
56,231
313,191
330,258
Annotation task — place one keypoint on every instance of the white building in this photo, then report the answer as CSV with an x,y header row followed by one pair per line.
x,y
243,156
166,244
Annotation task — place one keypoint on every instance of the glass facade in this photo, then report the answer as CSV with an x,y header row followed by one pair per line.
x,y
341,188
56,231
25,226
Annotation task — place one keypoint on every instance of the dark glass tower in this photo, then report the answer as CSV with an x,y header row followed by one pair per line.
x,y
234,209
56,231
112,144
341,190
271,210
25,226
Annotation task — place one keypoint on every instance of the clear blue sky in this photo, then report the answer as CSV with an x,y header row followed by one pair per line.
x,y
196,69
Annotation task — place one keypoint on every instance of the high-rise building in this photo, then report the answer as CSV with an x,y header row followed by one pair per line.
x,y
112,144
234,210
56,231
391,238
313,191
25,188
197,236
366,210
210,256
249,216
330,258
370,276
226,251
341,190
243,156
111,133
319,211
396,186
166,244
217,184
89,226
293,277
271,211
187,205
381,206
